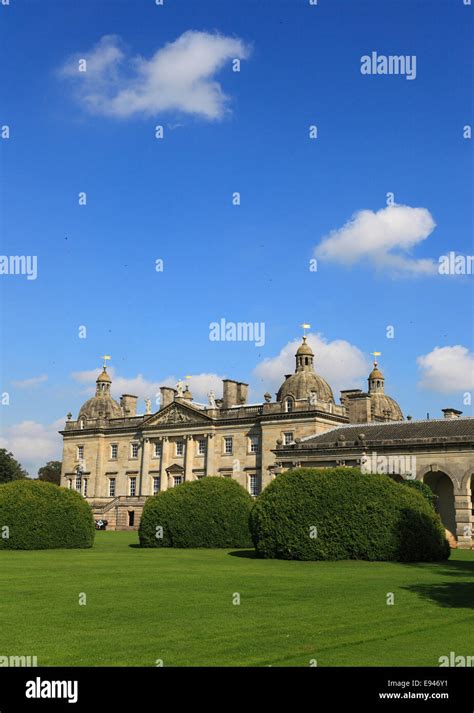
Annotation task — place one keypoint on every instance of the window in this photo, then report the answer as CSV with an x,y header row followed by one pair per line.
x,y
85,487
133,486
156,486
288,438
112,487
157,449
134,450
131,518
178,479
253,485
201,447
254,444
114,451
228,445
78,483
179,448
289,405
80,452
69,484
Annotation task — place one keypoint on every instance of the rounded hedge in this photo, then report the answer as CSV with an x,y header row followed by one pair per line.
x,y
340,513
211,512
423,489
35,515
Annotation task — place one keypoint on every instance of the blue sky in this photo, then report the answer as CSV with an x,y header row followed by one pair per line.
x,y
171,199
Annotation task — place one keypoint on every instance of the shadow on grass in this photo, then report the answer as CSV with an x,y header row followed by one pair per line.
x,y
448,594
453,568
247,554
419,536
453,594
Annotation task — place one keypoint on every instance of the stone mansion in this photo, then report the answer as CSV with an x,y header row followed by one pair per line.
x,y
117,458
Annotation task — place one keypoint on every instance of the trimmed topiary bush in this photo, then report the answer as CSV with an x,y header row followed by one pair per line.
x,y
340,513
41,516
424,490
211,512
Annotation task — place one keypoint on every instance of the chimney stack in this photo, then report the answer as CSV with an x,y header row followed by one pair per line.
x,y
229,392
129,405
346,394
167,395
451,412
242,393
358,407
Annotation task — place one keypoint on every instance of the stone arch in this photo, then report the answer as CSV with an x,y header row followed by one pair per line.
x,y
467,480
471,490
441,483
468,483
447,471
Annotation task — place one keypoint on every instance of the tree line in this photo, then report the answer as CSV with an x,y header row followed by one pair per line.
x,y
11,469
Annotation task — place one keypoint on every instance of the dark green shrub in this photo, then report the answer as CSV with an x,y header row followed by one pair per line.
x,y
423,489
41,516
340,513
211,512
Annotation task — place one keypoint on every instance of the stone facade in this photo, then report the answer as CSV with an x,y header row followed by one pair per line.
x,y
117,458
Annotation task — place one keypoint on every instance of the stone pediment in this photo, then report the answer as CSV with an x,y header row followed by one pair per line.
x,y
175,469
176,414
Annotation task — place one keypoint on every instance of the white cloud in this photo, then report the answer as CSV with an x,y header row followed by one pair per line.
x,y
199,384
342,364
136,385
447,369
87,377
180,76
33,443
30,383
383,239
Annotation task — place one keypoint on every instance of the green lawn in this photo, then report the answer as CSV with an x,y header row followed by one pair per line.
x,y
177,605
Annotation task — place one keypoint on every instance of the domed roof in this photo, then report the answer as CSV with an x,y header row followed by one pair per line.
x,y
104,376
376,373
382,405
385,407
304,349
102,406
302,383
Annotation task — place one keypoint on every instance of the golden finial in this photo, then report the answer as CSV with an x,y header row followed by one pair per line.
x,y
375,354
304,327
106,357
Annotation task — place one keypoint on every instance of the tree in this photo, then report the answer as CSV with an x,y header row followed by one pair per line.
x,y
341,513
41,516
10,469
210,512
51,472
